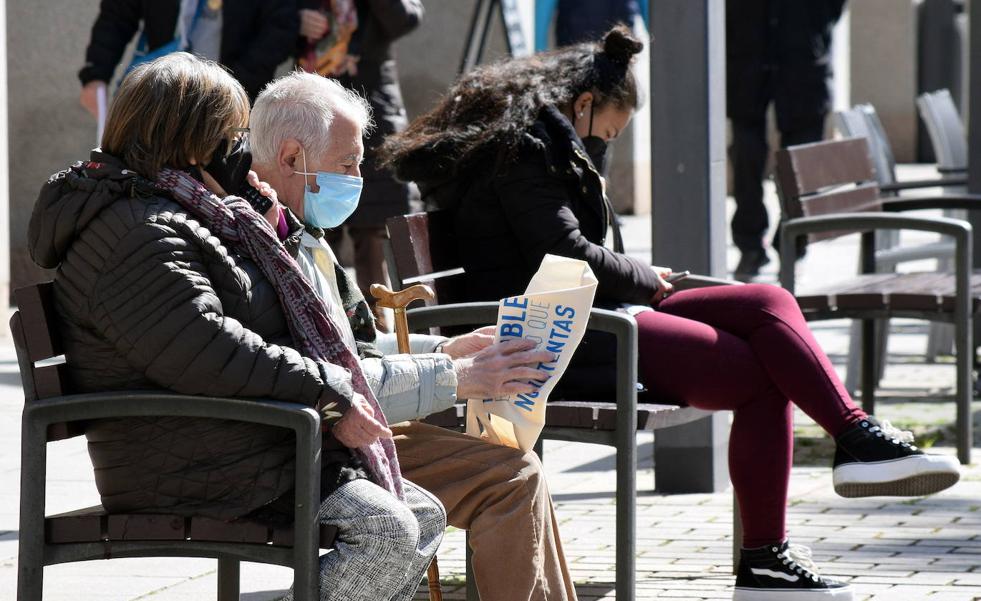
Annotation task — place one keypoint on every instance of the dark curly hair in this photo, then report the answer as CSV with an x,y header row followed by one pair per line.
x,y
487,111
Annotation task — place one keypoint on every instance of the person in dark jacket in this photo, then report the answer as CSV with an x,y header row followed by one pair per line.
x,y
351,40
250,37
510,149
163,284
779,52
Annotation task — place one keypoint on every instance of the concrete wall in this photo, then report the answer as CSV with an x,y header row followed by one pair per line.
x,y
4,172
883,67
48,129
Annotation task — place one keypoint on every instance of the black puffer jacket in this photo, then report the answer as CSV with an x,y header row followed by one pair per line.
x,y
256,36
149,299
547,199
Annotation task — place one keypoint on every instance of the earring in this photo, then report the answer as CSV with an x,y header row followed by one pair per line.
x,y
581,113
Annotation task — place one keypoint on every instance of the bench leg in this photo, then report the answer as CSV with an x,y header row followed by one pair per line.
x,y
30,579
869,375
965,389
626,507
33,465
228,579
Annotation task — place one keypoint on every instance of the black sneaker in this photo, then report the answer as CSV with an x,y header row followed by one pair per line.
x,y
876,459
784,572
749,265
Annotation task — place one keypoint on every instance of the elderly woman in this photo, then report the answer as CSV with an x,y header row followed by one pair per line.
x,y
162,284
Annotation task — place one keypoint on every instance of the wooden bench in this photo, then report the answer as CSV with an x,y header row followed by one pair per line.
x,y
828,189
422,248
52,412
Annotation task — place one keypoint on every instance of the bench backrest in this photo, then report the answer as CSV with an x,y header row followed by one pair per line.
x,y
827,178
423,248
945,128
861,121
34,327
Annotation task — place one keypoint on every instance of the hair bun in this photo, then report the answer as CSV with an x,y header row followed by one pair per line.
x,y
620,45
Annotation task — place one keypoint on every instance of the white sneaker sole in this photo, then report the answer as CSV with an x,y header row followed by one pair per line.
x,y
913,476
792,594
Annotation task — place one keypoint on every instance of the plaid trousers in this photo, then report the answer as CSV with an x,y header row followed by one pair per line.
x,y
383,545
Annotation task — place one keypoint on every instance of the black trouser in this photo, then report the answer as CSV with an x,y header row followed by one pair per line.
x,y
749,153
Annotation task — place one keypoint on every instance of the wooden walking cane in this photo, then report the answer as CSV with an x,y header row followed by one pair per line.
x,y
397,302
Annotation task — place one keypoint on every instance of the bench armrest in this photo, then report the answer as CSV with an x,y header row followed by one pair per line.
x,y
622,325
791,230
102,405
924,183
303,420
970,202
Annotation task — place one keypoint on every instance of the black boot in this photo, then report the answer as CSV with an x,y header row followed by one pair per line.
x,y
782,571
876,459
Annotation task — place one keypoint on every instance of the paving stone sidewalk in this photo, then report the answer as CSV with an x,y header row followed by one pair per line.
x,y
895,550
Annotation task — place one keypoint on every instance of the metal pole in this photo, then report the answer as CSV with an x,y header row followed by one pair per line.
x,y
688,196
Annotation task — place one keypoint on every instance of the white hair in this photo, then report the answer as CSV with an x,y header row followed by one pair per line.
x,y
302,106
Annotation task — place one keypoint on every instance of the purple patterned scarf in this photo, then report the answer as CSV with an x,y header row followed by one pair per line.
x,y
233,221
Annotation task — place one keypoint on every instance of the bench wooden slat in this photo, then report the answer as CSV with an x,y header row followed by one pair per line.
x,y
591,415
36,307
93,524
926,291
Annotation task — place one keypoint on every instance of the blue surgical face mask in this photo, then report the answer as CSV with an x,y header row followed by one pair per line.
x,y
334,202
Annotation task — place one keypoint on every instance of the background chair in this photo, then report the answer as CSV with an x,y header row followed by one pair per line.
x,y
862,121
828,189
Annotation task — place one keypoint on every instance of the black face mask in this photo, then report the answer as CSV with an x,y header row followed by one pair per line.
x,y
596,147
230,169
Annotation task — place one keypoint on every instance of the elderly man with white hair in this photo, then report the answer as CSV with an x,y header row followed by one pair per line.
x,y
306,141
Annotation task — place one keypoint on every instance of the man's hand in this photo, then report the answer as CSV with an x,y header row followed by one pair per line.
x,y
313,24
358,427
272,215
89,97
501,369
469,344
663,287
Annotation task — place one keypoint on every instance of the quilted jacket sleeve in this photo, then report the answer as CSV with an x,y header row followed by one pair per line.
x,y
541,215
115,26
155,303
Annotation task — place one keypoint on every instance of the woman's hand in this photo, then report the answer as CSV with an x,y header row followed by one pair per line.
x,y
663,287
313,24
501,369
469,344
272,215
358,427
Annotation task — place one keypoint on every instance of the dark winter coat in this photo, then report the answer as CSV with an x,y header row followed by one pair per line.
x,y
380,23
149,299
780,50
256,36
548,198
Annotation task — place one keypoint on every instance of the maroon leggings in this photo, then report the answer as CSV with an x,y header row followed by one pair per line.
x,y
749,350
